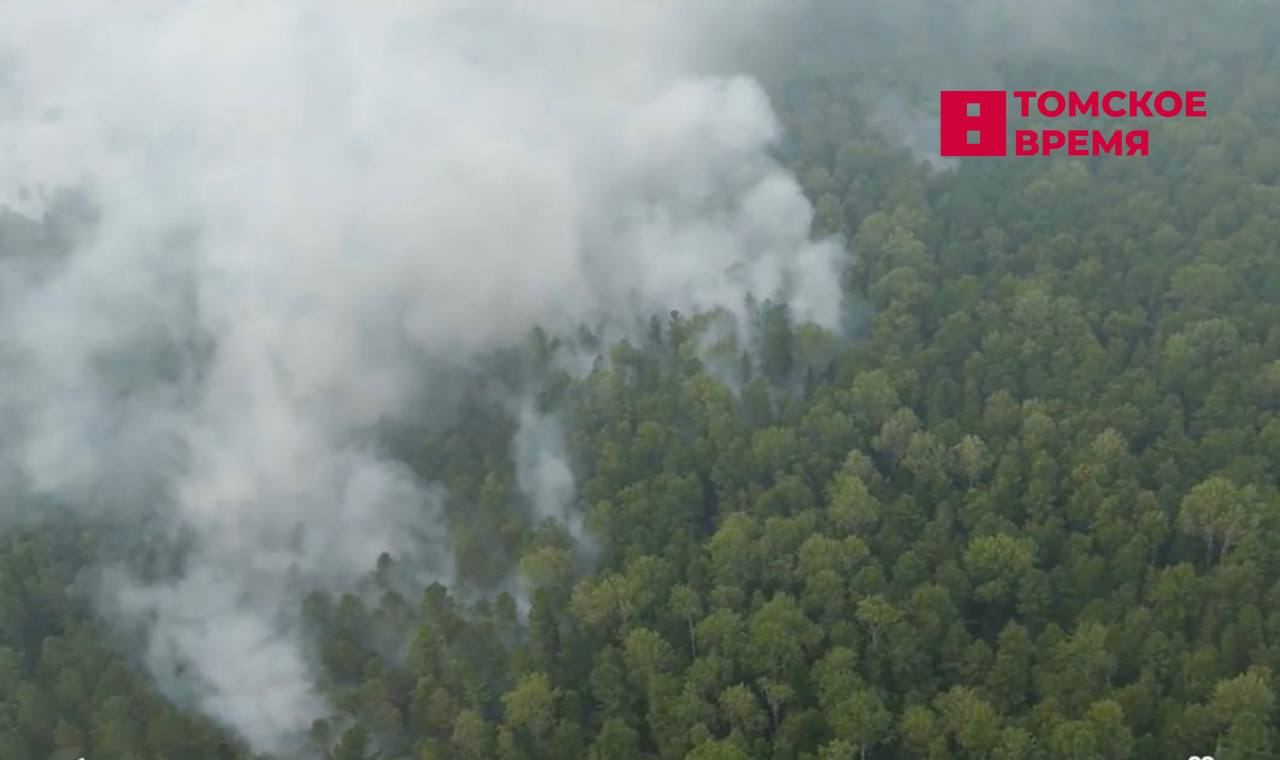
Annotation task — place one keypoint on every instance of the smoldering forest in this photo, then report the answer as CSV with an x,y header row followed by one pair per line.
x,y
305,301
240,238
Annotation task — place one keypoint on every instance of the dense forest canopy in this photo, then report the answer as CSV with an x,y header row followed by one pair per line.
x,y
1017,500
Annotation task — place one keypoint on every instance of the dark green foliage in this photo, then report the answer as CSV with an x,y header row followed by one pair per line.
x,y
1029,511
63,692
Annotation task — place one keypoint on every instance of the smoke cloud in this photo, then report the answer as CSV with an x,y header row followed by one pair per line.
x,y
297,208
543,473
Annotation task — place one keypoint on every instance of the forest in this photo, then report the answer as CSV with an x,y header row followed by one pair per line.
x,y
1025,507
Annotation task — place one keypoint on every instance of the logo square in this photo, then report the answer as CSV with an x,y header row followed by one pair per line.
x,y
973,123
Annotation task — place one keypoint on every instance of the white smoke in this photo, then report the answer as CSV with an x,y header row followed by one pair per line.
x,y
299,206
913,128
543,473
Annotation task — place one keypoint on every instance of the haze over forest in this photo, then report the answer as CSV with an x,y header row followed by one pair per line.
x,y
632,381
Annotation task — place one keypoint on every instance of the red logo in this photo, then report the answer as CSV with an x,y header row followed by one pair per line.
x,y
975,122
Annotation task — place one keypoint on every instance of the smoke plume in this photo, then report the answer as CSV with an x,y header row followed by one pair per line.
x,y
295,209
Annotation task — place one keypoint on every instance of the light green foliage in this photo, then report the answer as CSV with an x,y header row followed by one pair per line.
x,y
1026,508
